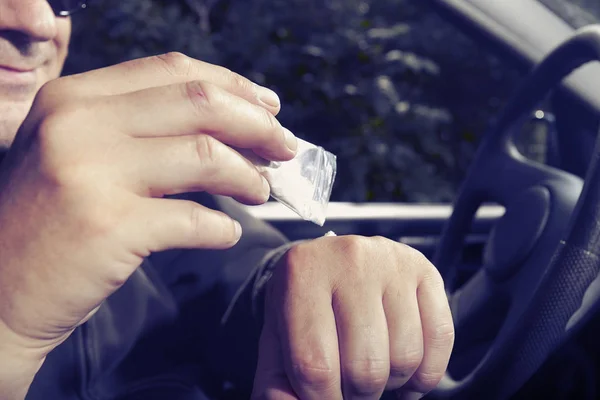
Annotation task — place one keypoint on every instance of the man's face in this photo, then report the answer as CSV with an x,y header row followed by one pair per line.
x,y
33,48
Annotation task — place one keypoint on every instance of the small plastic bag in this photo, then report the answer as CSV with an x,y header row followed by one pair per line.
x,y
304,183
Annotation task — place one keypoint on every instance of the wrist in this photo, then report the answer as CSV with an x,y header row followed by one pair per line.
x,y
19,363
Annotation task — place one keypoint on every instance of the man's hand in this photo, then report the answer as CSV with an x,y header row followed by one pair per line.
x,y
81,190
351,316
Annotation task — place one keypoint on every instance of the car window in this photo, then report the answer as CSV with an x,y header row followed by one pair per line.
x,y
396,92
577,13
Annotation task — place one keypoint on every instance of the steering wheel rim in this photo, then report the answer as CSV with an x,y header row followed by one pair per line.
x,y
535,319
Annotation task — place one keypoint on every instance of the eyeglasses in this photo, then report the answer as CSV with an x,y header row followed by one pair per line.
x,y
64,8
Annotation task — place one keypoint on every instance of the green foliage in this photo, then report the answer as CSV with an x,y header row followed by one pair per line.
x,y
397,93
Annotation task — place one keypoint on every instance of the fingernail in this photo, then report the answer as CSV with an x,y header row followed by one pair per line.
x,y
290,140
266,187
238,230
268,97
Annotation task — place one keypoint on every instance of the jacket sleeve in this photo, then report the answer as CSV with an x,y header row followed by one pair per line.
x,y
263,246
231,288
270,245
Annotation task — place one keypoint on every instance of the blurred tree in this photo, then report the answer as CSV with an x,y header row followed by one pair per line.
x,y
397,93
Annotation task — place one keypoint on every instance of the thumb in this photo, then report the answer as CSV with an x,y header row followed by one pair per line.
x,y
270,381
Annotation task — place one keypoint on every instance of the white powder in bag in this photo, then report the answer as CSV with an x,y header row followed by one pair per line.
x,y
304,183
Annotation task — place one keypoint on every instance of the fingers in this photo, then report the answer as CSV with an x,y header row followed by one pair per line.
x,y
312,358
405,332
307,327
270,381
163,166
438,333
162,224
363,342
201,107
169,69
392,326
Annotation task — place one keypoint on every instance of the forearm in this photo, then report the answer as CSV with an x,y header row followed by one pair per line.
x,y
261,247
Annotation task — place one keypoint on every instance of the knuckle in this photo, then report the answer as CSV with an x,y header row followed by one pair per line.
x,y
432,276
414,261
352,243
196,93
295,255
443,335
315,374
404,366
49,89
49,139
175,63
65,88
425,381
54,124
366,377
207,151
239,82
354,248
300,263
415,255
49,127
196,220
380,240
222,227
272,126
46,112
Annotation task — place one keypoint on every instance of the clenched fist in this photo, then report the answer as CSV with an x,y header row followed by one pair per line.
x,y
351,316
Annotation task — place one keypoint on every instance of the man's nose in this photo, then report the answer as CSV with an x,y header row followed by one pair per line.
x,y
32,18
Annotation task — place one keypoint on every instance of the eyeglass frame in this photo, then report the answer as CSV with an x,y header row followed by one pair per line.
x,y
83,4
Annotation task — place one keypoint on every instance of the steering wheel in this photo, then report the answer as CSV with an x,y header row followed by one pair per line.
x,y
539,282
